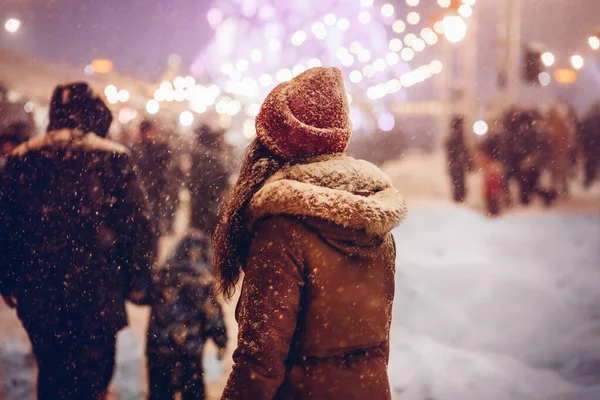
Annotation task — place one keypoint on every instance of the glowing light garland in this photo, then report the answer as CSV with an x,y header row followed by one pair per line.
x,y
260,43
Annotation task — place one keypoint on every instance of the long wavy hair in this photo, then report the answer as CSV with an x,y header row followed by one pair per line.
x,y
232,238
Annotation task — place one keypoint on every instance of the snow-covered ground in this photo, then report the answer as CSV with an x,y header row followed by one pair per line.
x,y
504,309
486,309
494,309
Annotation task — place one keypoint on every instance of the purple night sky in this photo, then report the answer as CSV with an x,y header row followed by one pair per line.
x,y
138,35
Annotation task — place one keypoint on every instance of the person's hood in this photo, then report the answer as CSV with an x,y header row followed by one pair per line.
x,y
348,201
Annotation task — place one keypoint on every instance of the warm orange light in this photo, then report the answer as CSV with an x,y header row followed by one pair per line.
x,y
455,4
565,76
102,66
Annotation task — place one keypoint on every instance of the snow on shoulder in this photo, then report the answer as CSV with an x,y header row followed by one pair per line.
x,y
87,141
93,142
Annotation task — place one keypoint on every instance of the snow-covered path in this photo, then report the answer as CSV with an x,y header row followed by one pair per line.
x,y
503,309
486,309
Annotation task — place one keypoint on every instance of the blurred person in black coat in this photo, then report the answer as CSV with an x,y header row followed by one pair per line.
x,y
155,163
77,241
184,315
459,159
209,178
527,152
589,141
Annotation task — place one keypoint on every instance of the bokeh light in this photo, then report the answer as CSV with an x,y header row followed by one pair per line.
x,y
418,45
186,118
407,54
379,64
387,10
544,78
364,55
298,38
12,25
395,44
392,58
577,61
355,76
123,95
152,106
413,18
343,24
319,30
386,122
364,17
436,67
368,71
409,39
455,28
480,128
548,59
330,19
465,11
399,26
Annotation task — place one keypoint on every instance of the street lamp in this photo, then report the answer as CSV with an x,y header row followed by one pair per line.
x,y
455,28
577,61
12,25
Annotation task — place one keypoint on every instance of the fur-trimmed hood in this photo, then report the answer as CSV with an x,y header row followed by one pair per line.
x,y
350,193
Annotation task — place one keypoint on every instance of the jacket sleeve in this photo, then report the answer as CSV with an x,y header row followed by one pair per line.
x,y
267,313
137,235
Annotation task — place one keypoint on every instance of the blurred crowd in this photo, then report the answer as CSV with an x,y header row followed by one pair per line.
x,y
167,162
541,151
99,206
81,217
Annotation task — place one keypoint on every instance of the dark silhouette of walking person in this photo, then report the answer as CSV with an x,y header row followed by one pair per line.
x,y
76,242
184,316
459,159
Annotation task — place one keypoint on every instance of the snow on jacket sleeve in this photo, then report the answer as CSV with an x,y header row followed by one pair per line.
x,y
267,313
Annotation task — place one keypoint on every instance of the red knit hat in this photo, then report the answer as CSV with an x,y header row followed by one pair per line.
x,y
306,116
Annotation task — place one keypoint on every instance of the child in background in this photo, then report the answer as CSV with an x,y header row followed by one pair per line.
x,y
493,183
184,315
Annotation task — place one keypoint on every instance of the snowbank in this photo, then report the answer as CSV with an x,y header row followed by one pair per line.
x,y
504,309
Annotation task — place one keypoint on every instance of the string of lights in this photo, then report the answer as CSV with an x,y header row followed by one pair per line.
x,y
372,45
